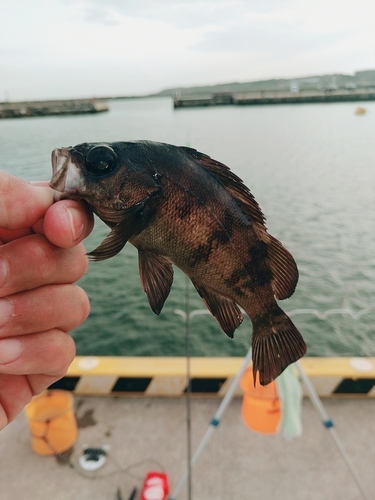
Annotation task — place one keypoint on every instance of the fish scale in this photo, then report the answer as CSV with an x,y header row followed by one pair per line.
x,y
178,206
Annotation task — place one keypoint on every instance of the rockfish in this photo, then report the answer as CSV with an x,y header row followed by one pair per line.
x,y
178,206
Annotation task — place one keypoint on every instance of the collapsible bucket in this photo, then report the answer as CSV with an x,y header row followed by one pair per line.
x,y
261,409
52,423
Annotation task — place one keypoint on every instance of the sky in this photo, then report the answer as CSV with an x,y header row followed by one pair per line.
x,y
85,48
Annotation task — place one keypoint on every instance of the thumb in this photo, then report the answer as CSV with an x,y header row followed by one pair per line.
x,y
21,203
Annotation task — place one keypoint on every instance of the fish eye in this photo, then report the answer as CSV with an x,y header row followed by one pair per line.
x,y
101,160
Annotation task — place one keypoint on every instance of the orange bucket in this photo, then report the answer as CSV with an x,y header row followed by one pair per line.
x,y
261,408
52,423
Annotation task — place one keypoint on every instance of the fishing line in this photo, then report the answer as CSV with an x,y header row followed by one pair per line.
x,y
188,383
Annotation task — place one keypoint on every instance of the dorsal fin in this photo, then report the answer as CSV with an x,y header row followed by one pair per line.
x,y
232,183
283,266
225,311
156,275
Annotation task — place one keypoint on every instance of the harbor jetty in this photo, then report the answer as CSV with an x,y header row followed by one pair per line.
x,y
276,97
46,108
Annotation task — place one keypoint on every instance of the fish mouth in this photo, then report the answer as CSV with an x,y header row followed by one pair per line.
x,y
66,175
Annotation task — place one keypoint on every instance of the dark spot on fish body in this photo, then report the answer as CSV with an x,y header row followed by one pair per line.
x,y
215,239
258,253
258,266
260,322
238,291
263,277
196,256
204,251
216,235
182,210
219,237
238,276
248,285
234,282
273,318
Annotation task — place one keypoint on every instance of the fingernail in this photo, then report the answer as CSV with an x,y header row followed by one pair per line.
x,y
6,311
76,224
3,271
10,350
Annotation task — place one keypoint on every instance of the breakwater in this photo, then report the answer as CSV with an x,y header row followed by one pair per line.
x,y
46,108
277,97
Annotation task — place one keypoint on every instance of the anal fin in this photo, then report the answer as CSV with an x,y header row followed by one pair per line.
x,y
225,311
156,274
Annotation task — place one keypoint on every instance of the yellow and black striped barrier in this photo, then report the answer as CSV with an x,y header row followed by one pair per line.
x,y
166,376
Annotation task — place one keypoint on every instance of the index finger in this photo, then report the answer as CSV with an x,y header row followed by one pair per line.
x,y
21,203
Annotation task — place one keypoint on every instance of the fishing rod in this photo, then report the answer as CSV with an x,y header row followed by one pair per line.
x,y
215,421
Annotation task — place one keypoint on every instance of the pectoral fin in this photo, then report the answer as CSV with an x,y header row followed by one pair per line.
x,y
225,311
156,275
132,221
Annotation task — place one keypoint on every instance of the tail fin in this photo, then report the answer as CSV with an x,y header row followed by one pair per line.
x,y
275,346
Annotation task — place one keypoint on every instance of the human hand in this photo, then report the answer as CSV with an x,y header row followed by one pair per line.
x,y
40,259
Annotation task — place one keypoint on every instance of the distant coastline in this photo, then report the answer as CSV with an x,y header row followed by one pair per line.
x,y
329,85
322,83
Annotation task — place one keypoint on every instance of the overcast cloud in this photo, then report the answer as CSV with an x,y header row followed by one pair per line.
x,y
66,48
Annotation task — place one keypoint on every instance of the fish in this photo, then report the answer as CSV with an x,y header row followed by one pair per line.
x,y
179,207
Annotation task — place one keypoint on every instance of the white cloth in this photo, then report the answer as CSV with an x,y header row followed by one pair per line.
x,y
290,394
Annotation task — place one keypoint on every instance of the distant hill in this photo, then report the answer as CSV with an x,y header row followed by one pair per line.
x,y
360,79
364,78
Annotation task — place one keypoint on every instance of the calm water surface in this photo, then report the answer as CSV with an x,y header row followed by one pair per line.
x,y
311,169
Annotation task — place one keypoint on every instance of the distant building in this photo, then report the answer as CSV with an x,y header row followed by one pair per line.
x,y
365,78
365,75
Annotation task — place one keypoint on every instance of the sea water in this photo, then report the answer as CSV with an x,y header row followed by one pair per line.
x,y
311,167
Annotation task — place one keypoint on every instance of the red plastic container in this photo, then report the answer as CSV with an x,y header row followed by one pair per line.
x,y
155,486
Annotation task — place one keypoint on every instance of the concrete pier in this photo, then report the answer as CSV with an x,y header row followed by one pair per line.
x,y
144,434
147,432
277,97
47,108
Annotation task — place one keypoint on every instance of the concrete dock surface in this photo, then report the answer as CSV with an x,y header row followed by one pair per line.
x,y
145,434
